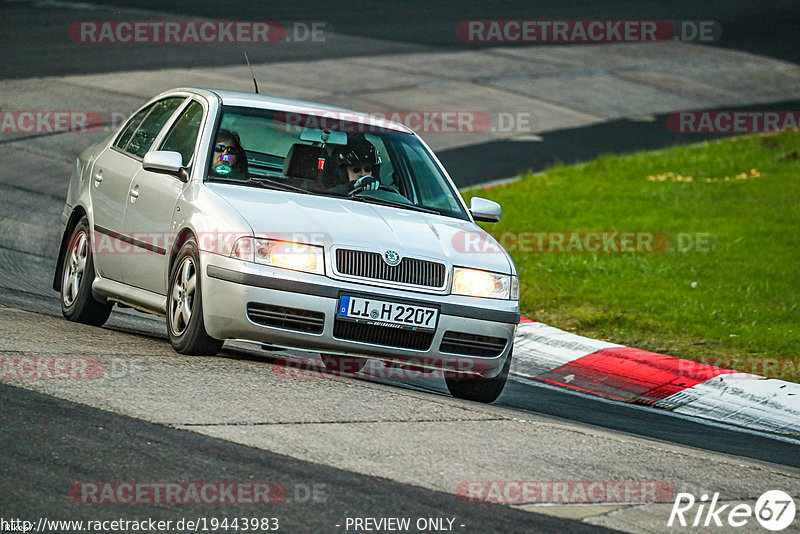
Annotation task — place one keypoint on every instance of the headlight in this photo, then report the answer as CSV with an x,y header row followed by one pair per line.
x,y
284,254
474,283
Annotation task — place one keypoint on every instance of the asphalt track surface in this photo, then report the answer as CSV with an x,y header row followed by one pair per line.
x,y
47,444
520,394
768,28
62,442
36,44
535,397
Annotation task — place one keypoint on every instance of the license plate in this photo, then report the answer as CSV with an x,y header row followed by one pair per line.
x,y
387,313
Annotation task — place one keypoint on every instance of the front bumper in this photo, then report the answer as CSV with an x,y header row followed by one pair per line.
x,y
229,285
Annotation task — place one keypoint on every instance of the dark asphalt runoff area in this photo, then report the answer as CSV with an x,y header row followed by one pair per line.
x,y
477,164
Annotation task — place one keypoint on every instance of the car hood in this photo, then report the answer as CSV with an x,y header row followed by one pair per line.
x,y
331,221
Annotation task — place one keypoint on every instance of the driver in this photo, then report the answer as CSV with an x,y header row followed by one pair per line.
x,y
357,165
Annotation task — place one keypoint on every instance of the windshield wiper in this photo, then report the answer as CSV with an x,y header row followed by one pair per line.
x,y
266,183
384,202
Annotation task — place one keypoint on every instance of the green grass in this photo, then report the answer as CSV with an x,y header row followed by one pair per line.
x,y
734,303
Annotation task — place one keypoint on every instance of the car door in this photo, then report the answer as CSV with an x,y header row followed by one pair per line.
x,y
112,173
150,210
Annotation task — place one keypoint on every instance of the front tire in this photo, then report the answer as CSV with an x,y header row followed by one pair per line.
x,y
77,274
479,389
185,325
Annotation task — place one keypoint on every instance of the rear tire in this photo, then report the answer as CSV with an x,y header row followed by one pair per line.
x,y
479,389
77,274
185,325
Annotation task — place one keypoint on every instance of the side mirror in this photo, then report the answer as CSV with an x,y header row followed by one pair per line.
x,y
484,210
165,161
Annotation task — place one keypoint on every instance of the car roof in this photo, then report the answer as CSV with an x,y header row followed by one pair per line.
x,y
259,101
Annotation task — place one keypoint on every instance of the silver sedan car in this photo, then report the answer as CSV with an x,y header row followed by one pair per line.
x,y
292,224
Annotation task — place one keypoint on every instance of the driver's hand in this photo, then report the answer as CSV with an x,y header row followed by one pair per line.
x,y
367,183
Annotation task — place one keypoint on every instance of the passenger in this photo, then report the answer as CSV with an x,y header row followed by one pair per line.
x,y
229,159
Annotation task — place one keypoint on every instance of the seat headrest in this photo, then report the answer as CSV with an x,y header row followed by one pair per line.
x,y
304,161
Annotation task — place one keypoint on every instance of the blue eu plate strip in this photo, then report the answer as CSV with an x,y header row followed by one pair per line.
x,y
344,305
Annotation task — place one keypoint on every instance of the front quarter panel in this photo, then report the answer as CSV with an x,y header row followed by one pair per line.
x,y
216,225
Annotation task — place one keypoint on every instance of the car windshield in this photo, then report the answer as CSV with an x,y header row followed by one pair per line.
x,y
318,154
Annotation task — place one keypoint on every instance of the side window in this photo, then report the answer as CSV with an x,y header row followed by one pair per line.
x,y
133,124
431,192
183,135
137,142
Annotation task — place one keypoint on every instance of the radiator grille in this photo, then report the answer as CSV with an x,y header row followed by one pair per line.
x,y
370,265
382,335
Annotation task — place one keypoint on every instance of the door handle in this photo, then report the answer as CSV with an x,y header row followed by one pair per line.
x,y
98,177
134,193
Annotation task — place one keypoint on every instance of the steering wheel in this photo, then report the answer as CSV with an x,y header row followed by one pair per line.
x,y
381,187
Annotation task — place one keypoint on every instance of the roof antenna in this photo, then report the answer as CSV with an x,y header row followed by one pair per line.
x,y
251,72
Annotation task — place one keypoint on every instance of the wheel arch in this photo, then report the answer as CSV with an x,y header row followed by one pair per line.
x,y
77,214
184,235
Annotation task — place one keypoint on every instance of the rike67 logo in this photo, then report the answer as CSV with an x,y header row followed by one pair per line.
x,y
774,510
